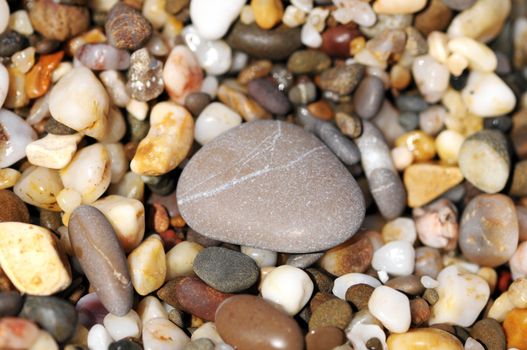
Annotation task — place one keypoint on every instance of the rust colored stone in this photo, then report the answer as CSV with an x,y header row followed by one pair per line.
x,y
336,41
38,80
321,109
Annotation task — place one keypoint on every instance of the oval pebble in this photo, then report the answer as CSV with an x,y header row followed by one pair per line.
x,y
225,270
268,96
102,259
368,97
390,307
121,327
214,120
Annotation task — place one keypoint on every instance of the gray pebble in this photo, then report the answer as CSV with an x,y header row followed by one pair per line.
x,y
275,44
199,344
269,96
10,303
138,128
12,42
125,344
385,184
226,270
409,120
303,93
368,97
99,252
196,102
303,261
459,5
341,80
411,103
55,315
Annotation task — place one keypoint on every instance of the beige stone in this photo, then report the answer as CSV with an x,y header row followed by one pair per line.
x,y
147,265
53,151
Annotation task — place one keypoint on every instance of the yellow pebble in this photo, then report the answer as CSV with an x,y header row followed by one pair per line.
x,y
448,144
420,144
267,13
424,339
8,178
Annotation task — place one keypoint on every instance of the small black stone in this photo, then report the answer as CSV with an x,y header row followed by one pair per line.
x,y
503,124
10,303
458,83
125,344
12,42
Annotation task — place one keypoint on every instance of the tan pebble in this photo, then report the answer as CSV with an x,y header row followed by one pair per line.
x,y
244,105
398,7
400,77
31,258
402,157
16,94
180,259
479,56
69,199
351,256
420,144
39,186
438,46
255,70
168,141
147,265
424,338
53,151
448,143
490,275
425,182
267,13
8,177
456,64
182,73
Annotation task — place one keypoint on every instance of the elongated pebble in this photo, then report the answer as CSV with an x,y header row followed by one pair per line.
x,y
385,184
486,95
39,186
97,248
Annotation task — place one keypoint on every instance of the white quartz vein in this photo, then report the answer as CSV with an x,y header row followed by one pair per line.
x,y
236,181
247,158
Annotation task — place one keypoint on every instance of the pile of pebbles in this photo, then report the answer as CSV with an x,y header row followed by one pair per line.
x,y
263,174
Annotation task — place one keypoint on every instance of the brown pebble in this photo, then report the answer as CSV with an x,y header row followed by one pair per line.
x,y
192,295
319,299
323,282
519,133
431,296
349,124
359,295
247,322
255,70
49,219
336,40
410,284
489,332
54,127
58,22
334,312
126,27
175,6
435,17
351,256
160,219
321,109
420,311
374,344
13,208
324,338
519,179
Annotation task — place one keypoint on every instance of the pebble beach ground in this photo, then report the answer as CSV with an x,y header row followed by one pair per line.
x,y
263,175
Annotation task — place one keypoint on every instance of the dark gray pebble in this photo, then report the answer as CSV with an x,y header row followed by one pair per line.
x,y
10,303
125,344
267,94
226,270
55,315
200,344
12,42
411,103
409,120
368,97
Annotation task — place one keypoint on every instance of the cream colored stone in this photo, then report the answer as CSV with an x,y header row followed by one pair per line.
x,y
44,341
424,338
89,173
150,307
80,101
39,186
168,141
147,265
138,109
53,151
448,144
118,160
19,22
393,7
456,64
480,56
24,59
482,21
438,46
293,16
127,216
8,177
69,199
116,126
180,259
501,307
31,258
486,95
62,69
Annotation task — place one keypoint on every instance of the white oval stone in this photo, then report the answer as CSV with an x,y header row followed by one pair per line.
x,y
4,79
80,101
53,151
215,57
89,173
121,327
486,95
480,57
398,7
400,229
161,334
462,296
310,36
127,216
118,161
99,338
392,308
31,258
289,287
213,18
180,259
149,308
262,257
396,258
16,134
431,77
214,120
68,200
147,265
341,284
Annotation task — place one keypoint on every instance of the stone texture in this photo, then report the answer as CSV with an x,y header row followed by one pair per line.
x,y
13,208
249,323
102,259
250,186
324,338
226,270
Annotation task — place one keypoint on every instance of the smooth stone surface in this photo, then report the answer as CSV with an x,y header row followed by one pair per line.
x,y
248,323
489,332
10,303
13,208
212,18
55,315
102,259
308,61
324,338
17,333
225,270
161,334
341,80
286,168
15,134
267,94
331,313
489,230
391,307
368,97
424,339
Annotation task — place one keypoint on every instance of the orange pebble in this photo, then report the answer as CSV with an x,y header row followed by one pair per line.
x,y
515,326
38,80
420,144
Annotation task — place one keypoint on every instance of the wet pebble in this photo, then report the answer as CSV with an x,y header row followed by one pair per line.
x,y
225,270
390,307
428,338
324,338
368,97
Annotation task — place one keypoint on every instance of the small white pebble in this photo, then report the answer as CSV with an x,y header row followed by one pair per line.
x,y
396,258
429,282
128,325
161,334
4,15
149,308
383,276
293,17
214,120
19,22
391,307
99,338
473,344
310,36
262,257
138,109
